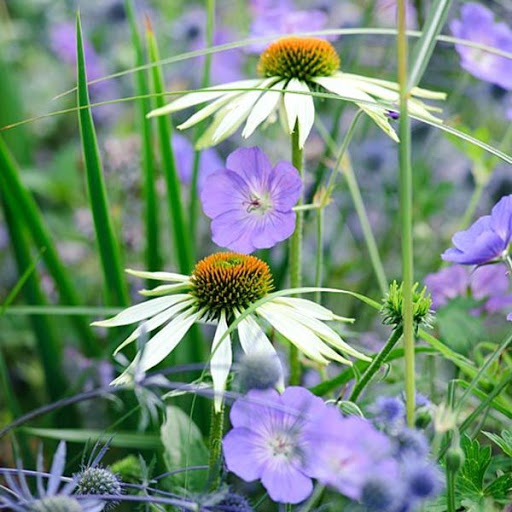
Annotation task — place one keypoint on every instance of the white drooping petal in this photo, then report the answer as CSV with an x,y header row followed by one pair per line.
x,y
299,108
376,90
220,362
415,91
155,322
164,342
344,88
159,276
165,289
320,329
263,108
142,311
239,109
195,98
306,341
380,119
306,307
208,110
255,341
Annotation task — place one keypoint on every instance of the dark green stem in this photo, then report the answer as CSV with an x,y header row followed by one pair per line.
x,y
296,252
215,444
377,362
450,489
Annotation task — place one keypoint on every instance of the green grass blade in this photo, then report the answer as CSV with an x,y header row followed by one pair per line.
x,y
48,346
115,284
120,439
153,256
180,232
424,48
24,207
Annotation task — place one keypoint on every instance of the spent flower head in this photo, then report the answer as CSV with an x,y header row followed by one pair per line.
x,y
221,287
250,202
393,306
292,68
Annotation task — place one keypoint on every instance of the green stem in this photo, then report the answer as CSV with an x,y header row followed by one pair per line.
x,y
450,490
314,498
369,238
296,252
406,213
376,363
215,444
210,28
319,260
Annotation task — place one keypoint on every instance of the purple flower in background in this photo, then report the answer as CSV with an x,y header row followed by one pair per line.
x,y
272,441
386,13
487,239
477,25
488,283
226,66
278,17
184,153
250,203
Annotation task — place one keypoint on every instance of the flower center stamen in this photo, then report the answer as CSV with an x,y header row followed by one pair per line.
x,y
228,281
299,57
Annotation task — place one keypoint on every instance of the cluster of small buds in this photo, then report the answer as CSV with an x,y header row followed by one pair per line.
x,y
393,306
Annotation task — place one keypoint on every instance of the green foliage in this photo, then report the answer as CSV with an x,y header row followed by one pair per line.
x,y
184,447
504,441
458,328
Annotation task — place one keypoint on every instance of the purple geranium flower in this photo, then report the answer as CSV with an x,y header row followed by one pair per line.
x,y
477,24
250,203
272,441
184,153
487,239
278,17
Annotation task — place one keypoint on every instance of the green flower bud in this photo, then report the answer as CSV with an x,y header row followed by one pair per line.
x,y
454,458
393,306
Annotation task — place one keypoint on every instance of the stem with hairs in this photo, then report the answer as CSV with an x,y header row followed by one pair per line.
x,y
296,252
406,213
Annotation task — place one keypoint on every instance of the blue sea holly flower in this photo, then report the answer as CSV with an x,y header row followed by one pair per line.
x,y
486,240
220,288
250,202
290,69
55,496
272,440
477,25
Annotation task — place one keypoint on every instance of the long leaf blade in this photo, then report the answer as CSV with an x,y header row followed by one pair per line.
x,y
115,284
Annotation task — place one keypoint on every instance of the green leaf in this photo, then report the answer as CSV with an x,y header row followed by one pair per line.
x,y
120,439
25,208
151,213
424,48
477,460
184,447
116,291
458,327
504,441
180,233
501,488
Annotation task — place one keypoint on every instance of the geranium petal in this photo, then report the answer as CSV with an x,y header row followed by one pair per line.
x,y
244,453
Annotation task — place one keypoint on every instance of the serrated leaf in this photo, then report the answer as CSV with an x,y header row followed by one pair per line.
x,y
504,441
472,474
501,488
184,447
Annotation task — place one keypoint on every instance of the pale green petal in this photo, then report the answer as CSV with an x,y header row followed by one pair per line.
x,y
220,362
195,98
263,108
158,276
141,311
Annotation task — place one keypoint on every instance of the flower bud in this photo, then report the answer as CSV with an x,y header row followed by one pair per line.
x,y
454,458
423,419
259,371
99,481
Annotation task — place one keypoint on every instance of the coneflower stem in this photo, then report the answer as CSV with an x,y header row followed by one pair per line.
x,y
319,263
215,444
296,251
406,213
377,362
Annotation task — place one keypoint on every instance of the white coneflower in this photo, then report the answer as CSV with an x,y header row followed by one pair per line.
x,y
220,288
291,68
